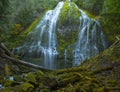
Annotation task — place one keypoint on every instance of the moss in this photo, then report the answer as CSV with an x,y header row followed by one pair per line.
x,y
69,14
30,78
78,83
26,87
65,42
103,62
99,74
7,71
80,79
66,81
39,73
102,69
17,78
18,34
90,15
5,90
64,13
9,83
41,85
78,88
44,90
67,31
68,28
69,70
102,89
32,26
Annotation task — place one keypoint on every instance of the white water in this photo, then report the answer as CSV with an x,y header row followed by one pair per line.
x,y
1,86
49,50
44,38
42,42
90,39
68,0
65,55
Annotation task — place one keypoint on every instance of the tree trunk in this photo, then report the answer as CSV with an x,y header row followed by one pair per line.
x,y
5,53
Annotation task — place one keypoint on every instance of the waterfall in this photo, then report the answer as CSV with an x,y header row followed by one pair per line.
x,y
42,41
65,55
68,0
43,38
90,39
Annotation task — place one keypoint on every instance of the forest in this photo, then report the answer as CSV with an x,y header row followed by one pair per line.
x,y
59,45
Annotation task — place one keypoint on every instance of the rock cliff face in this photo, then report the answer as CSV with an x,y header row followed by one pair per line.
x,y
66,34
68,25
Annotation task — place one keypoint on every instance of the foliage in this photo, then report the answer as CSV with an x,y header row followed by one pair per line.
x,y
7,71
25,87
4,11
16,30
15,37
32,25
83,78
25,11
25,16
111,6
110,19
93,6
30,78
3,8
21,12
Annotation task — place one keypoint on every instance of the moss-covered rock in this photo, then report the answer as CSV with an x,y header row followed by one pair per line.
x,y
10,83
30,78
18,78
69,14
26,87
67,30
99,74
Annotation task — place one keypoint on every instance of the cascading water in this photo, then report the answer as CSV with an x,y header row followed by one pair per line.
x,y
42,41
44,38
90,39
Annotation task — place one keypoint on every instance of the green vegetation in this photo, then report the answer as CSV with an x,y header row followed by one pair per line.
x,y
90,15
109,19
98,74
68,25
83,78
22,13
66,42
32,26
69,15
93,6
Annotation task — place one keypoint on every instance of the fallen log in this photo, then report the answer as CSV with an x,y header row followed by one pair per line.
x,y
8,57
116,42
2,46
